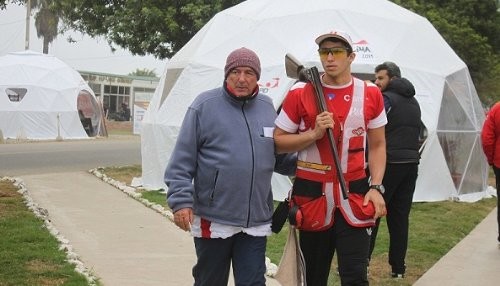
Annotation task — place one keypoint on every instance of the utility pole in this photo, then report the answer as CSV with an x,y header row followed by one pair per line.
x,y
28,16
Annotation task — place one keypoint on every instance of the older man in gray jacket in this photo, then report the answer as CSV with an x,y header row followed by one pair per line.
x,y
219,175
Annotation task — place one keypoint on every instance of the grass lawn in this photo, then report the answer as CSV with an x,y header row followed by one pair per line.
x,y
29,254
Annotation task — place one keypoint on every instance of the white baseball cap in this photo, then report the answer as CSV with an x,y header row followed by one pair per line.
x,y
343,36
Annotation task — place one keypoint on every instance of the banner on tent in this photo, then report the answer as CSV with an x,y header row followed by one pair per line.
x,y
141,103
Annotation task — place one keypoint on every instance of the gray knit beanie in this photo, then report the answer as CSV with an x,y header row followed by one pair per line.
x,y
242,57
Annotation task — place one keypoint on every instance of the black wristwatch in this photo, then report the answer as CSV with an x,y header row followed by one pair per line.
x,y
379,188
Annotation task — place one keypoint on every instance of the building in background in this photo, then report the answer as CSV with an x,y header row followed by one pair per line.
x,y
119,92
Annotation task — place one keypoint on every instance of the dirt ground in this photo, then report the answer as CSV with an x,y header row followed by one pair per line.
x,y
112,125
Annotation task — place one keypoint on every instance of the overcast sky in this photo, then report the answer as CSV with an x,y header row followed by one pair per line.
x,y
86,54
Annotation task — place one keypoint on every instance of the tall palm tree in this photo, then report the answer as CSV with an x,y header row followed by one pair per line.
x,y
46,22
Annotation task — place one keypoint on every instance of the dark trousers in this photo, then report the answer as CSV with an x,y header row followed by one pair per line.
x,y
351,244
497,179
399,182
247,254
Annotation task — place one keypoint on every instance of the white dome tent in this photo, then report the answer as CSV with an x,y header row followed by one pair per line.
x,y
452,166
42,98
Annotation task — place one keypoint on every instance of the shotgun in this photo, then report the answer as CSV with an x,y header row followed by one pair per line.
x,y
294,69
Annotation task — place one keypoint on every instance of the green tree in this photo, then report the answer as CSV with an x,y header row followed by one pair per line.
x,y
46,19
157,27
471,28
46,22
3,3
144,72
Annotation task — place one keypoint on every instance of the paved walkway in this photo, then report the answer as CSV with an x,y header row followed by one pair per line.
x,y
124,243
120,240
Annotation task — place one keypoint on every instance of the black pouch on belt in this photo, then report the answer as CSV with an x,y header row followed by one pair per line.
x,y
280,215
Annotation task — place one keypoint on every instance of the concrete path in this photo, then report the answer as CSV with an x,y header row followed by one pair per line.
x,y
123,242
473,261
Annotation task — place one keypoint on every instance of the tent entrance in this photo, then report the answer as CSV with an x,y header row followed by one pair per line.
x,y
90,113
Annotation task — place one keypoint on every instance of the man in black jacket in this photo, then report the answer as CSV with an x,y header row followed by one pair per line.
x,y
402,147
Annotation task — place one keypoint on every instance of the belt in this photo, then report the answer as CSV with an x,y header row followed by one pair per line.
x,y
314,166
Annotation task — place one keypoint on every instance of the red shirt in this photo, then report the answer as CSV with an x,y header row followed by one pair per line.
x,y
490,136
299,112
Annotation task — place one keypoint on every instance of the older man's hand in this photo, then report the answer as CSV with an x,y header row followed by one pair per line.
x,y
183,218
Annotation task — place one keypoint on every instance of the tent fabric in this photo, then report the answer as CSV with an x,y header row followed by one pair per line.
x,y
40,97
452,164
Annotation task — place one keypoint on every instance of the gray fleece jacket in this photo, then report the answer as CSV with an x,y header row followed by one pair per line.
x,y
223,160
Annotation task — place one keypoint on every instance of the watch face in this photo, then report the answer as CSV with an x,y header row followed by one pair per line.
x,y
381,188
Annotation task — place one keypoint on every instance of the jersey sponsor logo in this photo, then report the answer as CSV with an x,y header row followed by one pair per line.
x,y
358,131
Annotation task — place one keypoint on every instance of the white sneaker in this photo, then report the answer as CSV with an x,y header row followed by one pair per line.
x,y
397,275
